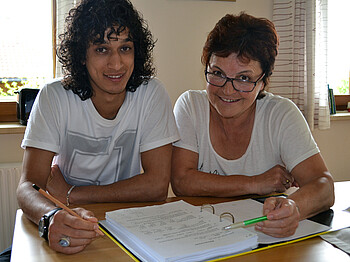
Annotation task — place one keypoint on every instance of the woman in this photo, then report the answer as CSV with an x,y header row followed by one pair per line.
x,y
238,139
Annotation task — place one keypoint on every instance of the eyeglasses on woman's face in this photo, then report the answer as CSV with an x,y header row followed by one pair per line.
x,y
242,84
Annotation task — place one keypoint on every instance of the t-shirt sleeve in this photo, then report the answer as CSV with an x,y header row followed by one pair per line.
x,y
159,126
295,139
185,121
43,127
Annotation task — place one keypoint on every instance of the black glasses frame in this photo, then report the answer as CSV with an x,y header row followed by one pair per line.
x,y
229,79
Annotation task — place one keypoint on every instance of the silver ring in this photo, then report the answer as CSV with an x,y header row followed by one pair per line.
x,y
64,241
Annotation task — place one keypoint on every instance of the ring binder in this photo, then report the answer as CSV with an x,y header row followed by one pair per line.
x,y
176,231
227,214
208,205
222,214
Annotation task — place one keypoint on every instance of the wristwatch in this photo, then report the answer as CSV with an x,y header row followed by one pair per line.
x,y
45,222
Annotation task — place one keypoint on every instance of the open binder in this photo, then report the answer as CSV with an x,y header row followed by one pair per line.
x,y
176,231
244,240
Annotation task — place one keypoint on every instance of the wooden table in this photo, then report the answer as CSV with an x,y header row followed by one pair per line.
x,y
28,246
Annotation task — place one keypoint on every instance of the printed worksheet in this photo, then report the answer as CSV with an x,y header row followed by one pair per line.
x,y
249,208
176,231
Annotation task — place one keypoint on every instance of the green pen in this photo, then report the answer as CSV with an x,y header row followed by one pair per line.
x,y
246,222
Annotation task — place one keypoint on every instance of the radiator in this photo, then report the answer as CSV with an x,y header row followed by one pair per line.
x,y
9,178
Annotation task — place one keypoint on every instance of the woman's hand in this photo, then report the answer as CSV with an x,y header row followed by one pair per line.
x,y
283,217
80,232
277,179
56,185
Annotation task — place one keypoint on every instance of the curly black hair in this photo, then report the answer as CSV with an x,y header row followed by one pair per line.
x,y
86,24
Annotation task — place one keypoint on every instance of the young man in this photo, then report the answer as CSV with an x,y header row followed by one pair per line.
x,y
104,122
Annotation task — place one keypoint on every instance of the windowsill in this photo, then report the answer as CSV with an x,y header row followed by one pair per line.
x,y
341,115
12,128
17,128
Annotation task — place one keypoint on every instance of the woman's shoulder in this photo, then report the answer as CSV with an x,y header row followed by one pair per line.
x,y
193,96
194,102
276,102
277,109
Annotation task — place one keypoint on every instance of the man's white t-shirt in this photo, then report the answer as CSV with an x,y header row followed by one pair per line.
x,y
280,136
91,150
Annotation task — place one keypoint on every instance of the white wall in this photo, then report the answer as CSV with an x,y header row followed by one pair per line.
x,y
181,27
334,144
10,148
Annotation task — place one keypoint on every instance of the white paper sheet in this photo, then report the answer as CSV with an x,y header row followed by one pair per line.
x,y
177,230
249,208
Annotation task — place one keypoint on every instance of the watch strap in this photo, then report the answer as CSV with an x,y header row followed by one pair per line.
x,y
52,212
46,217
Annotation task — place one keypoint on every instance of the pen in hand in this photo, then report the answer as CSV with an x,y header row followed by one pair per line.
x,y
61,205
250,221
246,222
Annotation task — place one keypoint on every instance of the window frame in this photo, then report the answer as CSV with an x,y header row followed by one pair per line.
x,y
341,102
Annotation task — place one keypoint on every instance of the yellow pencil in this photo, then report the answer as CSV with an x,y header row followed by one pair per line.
x,y
61,205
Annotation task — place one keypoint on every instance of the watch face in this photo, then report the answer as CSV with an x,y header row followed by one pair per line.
x,y
44,223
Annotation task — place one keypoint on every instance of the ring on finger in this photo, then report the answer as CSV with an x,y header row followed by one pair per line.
x,y
287,182
64,241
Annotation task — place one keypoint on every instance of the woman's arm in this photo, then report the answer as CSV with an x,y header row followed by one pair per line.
x,y
316,194
188,181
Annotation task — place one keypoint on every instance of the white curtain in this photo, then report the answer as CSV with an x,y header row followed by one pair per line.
x,y
301,66
62,10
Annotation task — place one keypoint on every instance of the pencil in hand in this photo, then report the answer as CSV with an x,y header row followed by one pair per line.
x,y
61,205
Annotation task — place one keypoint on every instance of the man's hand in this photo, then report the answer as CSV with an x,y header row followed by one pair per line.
x,y
80,231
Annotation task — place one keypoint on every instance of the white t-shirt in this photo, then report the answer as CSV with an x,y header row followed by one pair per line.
x,y
91,150
280,136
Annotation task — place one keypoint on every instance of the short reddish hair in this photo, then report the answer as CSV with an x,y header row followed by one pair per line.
x,y
249,37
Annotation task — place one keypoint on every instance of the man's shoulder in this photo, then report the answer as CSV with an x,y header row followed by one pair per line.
x,y
151,84
53,86
55,82
151,89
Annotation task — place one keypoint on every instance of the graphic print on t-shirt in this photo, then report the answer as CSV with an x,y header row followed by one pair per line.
x,y
88,157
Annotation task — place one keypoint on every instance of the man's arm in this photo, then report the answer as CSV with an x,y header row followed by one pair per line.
x,y
36,169
152,185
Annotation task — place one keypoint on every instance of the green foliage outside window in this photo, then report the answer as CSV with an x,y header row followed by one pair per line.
x,y
11,87
343,87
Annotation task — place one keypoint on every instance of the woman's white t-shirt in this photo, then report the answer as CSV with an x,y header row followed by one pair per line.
x,y
280,136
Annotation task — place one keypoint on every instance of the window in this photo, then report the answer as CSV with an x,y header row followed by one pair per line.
x,y
26,49
26,53
338,46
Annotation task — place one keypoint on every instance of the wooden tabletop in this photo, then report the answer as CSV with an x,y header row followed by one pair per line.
x,y
28,246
